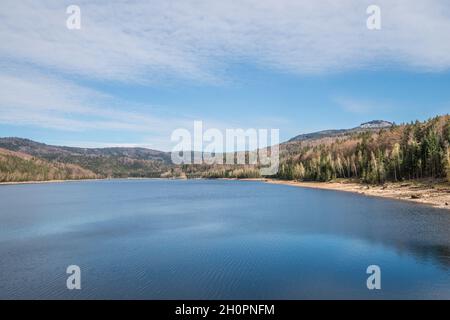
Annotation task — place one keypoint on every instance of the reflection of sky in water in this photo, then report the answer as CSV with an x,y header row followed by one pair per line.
x,y
217,239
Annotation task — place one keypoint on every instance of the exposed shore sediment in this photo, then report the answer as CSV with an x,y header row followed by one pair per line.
x,y
436,195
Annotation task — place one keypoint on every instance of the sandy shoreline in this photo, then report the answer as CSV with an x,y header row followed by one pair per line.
x,y
437,196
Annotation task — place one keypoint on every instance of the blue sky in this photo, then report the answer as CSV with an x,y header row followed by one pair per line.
x,y
135,72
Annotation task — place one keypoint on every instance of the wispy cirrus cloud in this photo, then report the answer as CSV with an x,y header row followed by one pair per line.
x,y
154,40
49,102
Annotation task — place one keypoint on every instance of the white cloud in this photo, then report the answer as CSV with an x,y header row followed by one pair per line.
x,y
34,99
154,40
38,100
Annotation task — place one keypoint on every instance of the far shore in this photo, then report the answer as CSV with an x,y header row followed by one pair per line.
x,y
46,181
80,180
435,195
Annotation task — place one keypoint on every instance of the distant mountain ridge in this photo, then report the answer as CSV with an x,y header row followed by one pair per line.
x,y
104,162
378,124
371,125
51,152
366,152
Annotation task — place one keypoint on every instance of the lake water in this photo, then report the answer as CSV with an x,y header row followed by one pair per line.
x,y
195,239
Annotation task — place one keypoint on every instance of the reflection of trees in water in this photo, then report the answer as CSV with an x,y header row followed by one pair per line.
x,y
437,254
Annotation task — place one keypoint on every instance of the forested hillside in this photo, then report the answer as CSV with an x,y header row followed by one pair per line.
x,y
411,151
18,167
104,162
374,152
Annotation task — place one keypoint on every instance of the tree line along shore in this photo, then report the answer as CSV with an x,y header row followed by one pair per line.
x,y
416,154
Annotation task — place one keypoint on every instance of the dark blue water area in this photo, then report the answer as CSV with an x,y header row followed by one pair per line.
x,y
215,239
